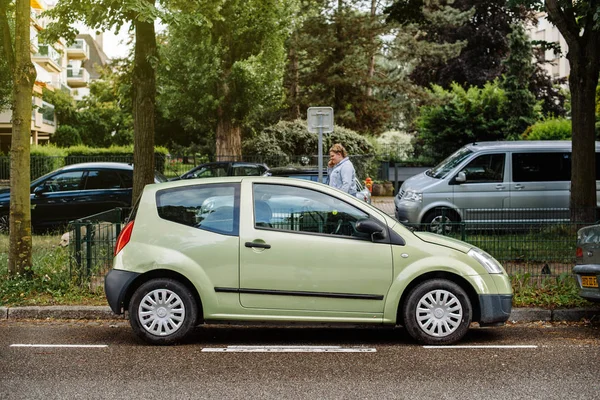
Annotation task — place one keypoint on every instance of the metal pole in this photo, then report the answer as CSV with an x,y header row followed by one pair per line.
x,y
320,147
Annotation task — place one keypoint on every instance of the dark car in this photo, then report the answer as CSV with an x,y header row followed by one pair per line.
x,y
76,191
312,174
587,268
224,168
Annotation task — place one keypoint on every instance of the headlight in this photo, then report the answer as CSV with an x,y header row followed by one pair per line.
x,y
488,262
411,195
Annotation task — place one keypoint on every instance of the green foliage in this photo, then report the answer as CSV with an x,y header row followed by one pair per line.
x,y
516,81
459,117
288,140
549,129
66,136
556,292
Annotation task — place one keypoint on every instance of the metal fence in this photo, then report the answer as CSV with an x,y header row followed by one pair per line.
x,y
540,249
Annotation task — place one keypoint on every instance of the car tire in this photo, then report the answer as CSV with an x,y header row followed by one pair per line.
x,y
162,311
437,311
441,221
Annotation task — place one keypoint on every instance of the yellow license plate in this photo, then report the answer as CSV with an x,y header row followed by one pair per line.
x,y
589,281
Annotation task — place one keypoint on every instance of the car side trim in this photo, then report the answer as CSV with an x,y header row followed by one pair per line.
x,y
297,293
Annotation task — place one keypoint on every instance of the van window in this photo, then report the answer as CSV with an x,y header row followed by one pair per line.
x,y
486,168
442,169
541,167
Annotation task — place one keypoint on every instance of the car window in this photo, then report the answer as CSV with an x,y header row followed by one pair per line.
x,y
246,170
65,181
485,168
210,171
541,167
102,179
290,208
127,178
213,208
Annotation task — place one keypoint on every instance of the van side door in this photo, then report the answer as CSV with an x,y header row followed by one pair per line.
x,y
484,193
539,181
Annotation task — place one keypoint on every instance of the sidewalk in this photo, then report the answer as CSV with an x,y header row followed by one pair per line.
x,y
384,203
104,312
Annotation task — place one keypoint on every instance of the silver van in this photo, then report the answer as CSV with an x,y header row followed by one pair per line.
x,y
493,181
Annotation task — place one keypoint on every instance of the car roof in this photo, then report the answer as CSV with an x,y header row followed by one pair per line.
x,y
101,165
295,171
523,145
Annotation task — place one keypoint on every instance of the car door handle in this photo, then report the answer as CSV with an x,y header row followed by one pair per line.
x,y
519,187
258,245
499,187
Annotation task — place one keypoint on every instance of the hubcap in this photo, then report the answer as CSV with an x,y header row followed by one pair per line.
x,y
439,313
161,312
440,225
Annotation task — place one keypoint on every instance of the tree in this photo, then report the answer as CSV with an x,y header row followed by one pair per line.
x,y
106,15
578,23
23,74
229,74
515,82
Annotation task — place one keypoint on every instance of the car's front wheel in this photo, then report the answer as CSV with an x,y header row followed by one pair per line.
x,y
437,311
162,311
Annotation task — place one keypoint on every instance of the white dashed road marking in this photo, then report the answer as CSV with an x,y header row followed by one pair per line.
x,y
91,346
288,349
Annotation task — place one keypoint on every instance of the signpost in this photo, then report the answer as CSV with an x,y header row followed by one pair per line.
x,y
320,120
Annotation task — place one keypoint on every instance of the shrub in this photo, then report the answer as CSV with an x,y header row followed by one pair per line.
x,y
549,129
66,136
45,159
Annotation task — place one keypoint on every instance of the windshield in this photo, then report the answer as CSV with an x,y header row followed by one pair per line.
x,y
443,168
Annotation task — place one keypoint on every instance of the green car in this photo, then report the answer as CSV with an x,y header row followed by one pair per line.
x,y
255,249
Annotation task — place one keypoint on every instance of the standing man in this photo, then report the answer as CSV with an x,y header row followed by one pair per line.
x,y
340,170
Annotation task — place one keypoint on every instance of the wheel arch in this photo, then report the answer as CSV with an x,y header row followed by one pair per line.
x,y
437,208
163,273
460,281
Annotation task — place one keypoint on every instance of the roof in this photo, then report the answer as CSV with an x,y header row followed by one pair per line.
x,y
104,165
524,145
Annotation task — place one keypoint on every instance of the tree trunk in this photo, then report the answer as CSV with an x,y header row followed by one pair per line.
x,y
144,103
229,138
19,253
582,81
371,71
294,75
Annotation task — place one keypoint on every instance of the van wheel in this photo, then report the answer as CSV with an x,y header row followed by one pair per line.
x,y
437,311
162,311
441,221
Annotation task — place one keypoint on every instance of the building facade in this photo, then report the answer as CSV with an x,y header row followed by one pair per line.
x,y
555,63
58,66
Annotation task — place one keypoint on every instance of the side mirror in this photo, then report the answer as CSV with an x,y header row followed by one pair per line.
x,y
461,177
372,228
39,190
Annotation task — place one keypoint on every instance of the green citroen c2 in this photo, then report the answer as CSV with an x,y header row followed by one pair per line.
x,y
280,250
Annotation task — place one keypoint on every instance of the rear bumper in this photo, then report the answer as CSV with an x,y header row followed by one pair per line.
x,y
116,283
591,294
495,308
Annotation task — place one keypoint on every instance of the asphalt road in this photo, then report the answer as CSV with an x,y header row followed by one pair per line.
x,y
522,361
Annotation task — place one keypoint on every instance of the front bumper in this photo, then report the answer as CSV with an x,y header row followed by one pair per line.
x,y
495,308
116,283
407,212
591,294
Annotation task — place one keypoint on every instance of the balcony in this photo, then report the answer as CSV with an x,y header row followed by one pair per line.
x,y
48,58
77,77
47,111
78,50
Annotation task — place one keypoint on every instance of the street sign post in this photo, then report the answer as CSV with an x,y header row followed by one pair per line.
x,y
320,120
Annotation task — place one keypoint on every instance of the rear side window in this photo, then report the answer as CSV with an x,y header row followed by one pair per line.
x,y
212,208
103,179
541,167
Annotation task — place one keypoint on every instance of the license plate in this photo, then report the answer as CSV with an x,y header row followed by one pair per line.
x,y
589,281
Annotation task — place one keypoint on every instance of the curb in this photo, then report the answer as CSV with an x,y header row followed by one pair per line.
x,y
104,312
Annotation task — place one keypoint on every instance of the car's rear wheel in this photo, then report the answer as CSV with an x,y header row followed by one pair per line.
x,y
437,311
162,311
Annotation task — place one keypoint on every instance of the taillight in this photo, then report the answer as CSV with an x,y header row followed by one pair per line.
x,y
579,253
124,237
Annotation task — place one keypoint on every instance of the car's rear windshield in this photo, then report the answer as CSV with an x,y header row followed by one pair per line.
x,y
442,169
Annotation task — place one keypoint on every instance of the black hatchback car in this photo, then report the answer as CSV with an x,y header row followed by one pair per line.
x,y
76,191
224,168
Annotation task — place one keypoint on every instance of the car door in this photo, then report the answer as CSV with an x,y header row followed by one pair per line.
x,y
103,190
540,180
484,194
299,251
56,205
